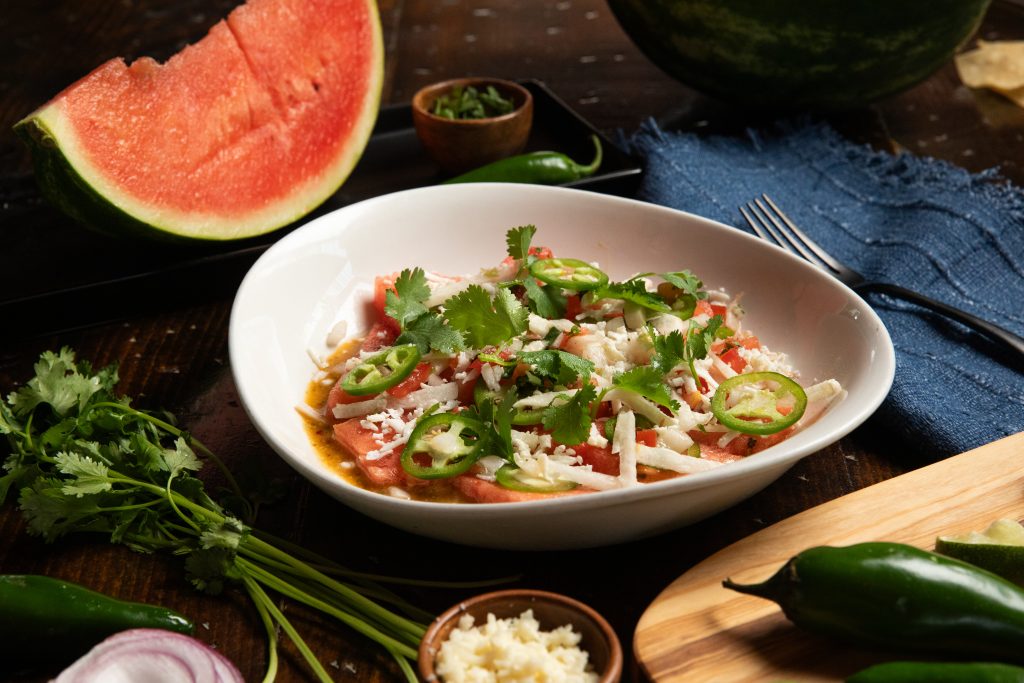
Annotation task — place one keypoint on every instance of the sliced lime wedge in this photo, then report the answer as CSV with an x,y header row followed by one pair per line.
x,y
999,549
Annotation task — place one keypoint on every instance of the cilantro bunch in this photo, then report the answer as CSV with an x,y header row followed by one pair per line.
x,y
81,459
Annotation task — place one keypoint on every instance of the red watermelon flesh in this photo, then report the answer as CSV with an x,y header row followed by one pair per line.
x,y
248,129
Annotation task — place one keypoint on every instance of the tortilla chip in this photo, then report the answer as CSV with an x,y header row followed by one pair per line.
x,y
998,65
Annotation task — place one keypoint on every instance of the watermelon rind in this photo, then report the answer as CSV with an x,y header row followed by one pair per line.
x,y
790,54
68,178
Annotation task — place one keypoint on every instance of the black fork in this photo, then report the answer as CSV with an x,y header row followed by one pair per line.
x,y
772,225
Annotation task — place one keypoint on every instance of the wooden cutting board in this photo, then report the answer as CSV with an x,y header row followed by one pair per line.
x,y
697,631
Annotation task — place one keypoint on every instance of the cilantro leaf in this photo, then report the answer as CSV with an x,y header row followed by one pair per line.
x,y
559,366
483,321
406,302
180,458
669,350
207,568
88,475
52,513
649,382
59,384
698,342
495,412
518,241
547,302
569,419
687,282
429,332
634,291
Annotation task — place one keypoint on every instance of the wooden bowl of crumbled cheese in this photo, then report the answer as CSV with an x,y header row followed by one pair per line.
x,y
520,635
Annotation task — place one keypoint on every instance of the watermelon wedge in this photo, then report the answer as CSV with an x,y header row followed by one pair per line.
x,y
241,133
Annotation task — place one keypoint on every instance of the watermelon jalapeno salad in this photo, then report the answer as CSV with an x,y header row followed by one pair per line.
x,y
541,377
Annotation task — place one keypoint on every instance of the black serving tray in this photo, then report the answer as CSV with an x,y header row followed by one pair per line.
x,y
58,276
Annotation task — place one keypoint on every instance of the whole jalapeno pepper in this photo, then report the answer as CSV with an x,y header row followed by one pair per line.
x,y
42,618
899,596
543,168
939,672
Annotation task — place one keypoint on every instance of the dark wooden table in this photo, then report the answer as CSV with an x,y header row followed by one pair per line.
x,y
172,349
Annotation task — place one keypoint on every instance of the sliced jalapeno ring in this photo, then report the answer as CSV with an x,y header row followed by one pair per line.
x,y
511,477
569,273
383,371
451,441
757,409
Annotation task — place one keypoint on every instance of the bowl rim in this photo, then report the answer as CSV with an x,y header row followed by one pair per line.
x,y
429,646
777,456
419,106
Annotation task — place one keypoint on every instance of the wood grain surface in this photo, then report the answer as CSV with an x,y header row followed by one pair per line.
x,y
172,350
698,631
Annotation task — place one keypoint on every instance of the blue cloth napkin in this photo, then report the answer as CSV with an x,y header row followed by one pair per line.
x,y
918,222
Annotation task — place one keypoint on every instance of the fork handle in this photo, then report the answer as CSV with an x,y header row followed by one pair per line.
x,y
1004,337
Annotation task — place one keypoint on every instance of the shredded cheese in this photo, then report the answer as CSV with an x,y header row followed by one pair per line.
x,y
513,650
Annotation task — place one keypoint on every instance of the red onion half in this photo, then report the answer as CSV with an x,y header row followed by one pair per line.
x,y
154,656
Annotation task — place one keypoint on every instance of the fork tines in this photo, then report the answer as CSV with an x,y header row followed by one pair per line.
x,y
771,224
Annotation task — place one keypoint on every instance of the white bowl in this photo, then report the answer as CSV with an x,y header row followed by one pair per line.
x,y
323,272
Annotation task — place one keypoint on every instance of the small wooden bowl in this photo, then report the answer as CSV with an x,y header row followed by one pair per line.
x,y
458,145
552,610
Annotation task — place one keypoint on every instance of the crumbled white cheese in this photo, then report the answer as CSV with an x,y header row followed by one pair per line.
x,y
491,375
513,650
596,439
764,360
541,326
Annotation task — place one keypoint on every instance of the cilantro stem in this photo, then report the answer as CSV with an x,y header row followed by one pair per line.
x,y
404,665
321,563
28,433
286,625
268,624
256,546
287,589
136,506
174,506
170,495
364,588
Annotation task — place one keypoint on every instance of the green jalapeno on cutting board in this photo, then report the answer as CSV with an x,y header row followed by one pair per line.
x,y
901,597
939,672
46,618
542,168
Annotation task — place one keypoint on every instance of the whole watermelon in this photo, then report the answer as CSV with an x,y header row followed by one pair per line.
x,y
799,53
